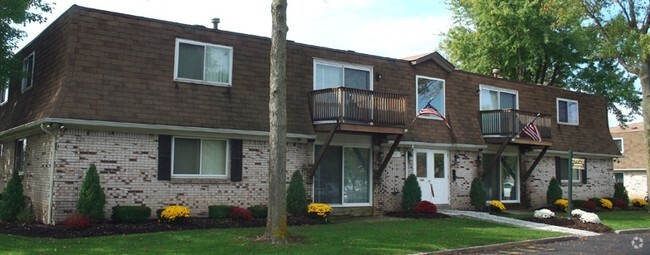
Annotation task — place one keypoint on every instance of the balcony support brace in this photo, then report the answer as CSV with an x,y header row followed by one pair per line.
x,y
534,164
496,158
389,155
322,152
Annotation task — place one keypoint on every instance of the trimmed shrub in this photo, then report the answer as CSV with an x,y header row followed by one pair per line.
x,y
296,196
219,212
554,192
239,213
76,222
426,207
578,203
91,196
589,205
13,200
26,216
130,213
411,193
259,211
477,194
595,200
620,192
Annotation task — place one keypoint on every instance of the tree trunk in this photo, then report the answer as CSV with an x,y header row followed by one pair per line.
x,y
645,90
276,222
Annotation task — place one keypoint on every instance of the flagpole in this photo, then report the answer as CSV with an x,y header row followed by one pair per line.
x,y
522,128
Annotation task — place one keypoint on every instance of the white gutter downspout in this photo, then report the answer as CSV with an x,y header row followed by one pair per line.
x,y
52,156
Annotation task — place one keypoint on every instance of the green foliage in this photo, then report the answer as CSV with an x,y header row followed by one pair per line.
x,y
130,214
91,196
620,192
259,211
297,196
477,194
219,212
411,193
26,216
13,200
554,192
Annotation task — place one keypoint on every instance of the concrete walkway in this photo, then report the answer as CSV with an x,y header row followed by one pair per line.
x,y
516,222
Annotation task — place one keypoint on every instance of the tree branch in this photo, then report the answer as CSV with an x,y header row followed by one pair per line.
x,y
624,11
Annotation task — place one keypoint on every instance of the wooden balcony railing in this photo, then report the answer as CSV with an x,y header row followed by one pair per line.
x,y
357,106
507,122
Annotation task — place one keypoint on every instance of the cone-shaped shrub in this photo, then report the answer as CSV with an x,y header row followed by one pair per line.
x,y
411,193
554,192
477,194
296,196
91,196
620,192
13,200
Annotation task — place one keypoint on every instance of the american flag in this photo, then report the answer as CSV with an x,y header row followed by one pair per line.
x,y
531,131
430,110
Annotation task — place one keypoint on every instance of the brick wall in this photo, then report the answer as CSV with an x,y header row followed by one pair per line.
x,y
466,169
635,183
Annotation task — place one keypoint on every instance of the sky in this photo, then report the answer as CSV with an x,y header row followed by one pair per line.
x,y
389,28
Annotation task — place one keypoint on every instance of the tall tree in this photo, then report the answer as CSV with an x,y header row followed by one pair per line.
x,y
622,27
538,42
276,222
13,13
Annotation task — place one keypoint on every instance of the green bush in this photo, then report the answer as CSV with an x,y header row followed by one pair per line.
x,y
296,196
91,196
620,192
411,193
219,212
554,192
13,200
26,216
259,211
477,194
130,214
578,203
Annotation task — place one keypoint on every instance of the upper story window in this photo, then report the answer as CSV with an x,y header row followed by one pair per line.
x,y
330,74
567,111
432,91
28,73
619,144
203,63
4,93
193,157
493,98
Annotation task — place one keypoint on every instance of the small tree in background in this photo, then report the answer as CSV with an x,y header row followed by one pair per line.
x,y
477,195
620,192
91,196
411,193
554,191
13,199
297,196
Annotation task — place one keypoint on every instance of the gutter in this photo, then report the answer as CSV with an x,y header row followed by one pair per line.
x,y
50,199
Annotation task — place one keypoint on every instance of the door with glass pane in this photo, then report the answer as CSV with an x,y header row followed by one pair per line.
x,y
343,176
431,170
502,182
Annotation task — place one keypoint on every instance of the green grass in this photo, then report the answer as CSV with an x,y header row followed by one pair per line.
x,y
381,237
625,219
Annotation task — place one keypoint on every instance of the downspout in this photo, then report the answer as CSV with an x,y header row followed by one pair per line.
x,y
52,156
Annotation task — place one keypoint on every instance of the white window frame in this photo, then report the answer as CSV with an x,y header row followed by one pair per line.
x,y
622,144
557,107
442,111
344,65
199,176
4,93
203,81
23,83
578,173
500,90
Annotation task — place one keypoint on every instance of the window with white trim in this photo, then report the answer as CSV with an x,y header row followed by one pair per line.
x,y
493,98
20,151
619,144
28,73
567,111
577,169
193,157
4,93
203,63
430,90
331,74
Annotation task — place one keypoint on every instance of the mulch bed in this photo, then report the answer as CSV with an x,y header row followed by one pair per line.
x,y
105,229
573,223
414,215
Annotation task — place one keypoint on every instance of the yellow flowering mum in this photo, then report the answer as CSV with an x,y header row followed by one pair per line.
x,y
604,202
319,209
638,202
174,213
564,203
496,204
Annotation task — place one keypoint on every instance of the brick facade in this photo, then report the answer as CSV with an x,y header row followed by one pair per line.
x,y
633,162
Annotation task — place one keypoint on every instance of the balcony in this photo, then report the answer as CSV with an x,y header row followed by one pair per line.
x,y
359,110
505,123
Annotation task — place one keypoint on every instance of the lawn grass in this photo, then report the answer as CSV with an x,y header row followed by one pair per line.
x,y
380,237
625,219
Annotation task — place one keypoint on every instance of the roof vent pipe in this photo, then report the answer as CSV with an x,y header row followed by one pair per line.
x,y
215,23
496,72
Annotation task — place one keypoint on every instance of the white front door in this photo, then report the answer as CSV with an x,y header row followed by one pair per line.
x,y
432,170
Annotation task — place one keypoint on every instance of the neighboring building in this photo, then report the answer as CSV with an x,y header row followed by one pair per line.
x,y
177,114
630,169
